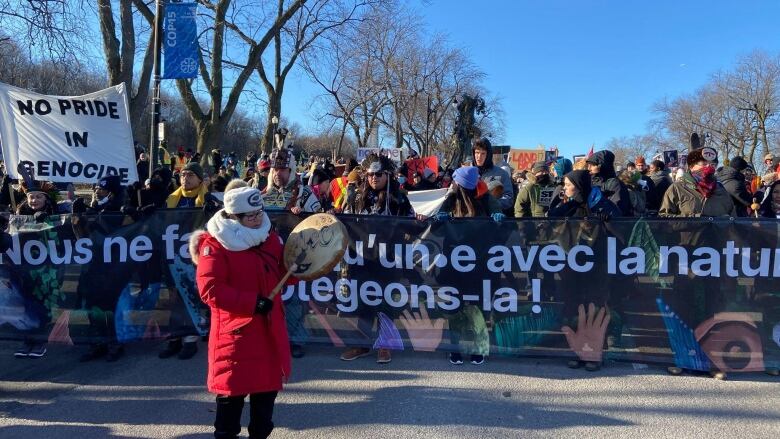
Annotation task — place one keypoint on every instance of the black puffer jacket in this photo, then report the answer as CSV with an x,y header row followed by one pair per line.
x,y
607,181
734,183
579,207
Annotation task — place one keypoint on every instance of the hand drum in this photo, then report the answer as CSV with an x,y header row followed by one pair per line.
x,y
315,246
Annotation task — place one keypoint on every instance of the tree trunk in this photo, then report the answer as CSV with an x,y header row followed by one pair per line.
x,y
274,108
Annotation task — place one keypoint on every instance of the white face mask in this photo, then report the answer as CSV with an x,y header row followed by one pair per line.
x,y
103,200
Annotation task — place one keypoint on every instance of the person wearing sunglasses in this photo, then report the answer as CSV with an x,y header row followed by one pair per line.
x,y
239,260
378,194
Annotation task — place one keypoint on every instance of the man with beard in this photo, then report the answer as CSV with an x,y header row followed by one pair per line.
x,y
534,198
285,191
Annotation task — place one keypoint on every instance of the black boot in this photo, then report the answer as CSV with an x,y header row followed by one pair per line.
x,y
228,421
96,351
296,350
188,350
173,348
115,352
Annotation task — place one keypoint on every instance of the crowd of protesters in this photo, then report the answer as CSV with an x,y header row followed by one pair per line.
x,y
593,187
227,190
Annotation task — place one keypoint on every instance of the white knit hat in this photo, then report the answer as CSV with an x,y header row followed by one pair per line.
x,y
243,200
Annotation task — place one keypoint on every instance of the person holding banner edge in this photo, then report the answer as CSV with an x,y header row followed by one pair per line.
x,y
191,193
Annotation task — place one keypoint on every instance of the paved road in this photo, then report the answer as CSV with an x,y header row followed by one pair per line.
x,y
416,396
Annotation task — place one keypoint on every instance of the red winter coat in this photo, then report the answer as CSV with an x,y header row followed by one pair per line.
x,y
248,352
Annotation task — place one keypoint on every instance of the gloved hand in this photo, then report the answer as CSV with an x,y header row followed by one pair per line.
x,y
79,205
498,217
148,209
604,216
131,211
40,216
211,208
442,216
263,305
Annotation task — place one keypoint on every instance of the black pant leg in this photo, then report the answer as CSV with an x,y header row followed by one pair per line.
x,y
261,410
228,421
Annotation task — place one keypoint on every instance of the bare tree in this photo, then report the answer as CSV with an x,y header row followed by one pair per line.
x,y
312,21
221,22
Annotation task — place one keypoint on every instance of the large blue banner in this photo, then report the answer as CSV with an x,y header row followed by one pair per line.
x,y
180,41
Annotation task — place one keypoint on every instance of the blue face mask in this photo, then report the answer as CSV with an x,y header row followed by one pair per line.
x,y
402,180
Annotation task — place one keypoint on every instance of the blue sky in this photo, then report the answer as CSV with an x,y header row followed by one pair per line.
x,y
573,73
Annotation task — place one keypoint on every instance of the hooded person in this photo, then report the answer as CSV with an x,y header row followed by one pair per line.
x,y
733,180
482,155
534,198
108,195
601,166
192,190
285,190
697,192
239,260
561,166
580,198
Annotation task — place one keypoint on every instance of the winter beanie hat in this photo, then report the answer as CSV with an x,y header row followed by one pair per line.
x,y
195,168
243,200
466,177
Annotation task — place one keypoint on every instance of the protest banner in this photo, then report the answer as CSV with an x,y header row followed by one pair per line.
x,y
523,159
180,41
577,158
696,293
420,164
395,154
427,203
77,139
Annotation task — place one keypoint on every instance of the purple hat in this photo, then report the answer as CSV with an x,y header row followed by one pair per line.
x,y
466,177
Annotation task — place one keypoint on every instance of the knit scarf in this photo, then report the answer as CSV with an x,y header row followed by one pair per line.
x,y
234,236
705,180
199,194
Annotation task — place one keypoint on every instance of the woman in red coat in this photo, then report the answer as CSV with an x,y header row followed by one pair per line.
x,y
239,262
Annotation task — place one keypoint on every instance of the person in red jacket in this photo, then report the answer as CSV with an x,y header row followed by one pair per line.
x,y
239,261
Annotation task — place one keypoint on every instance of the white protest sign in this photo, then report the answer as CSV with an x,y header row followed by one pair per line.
x,y
393,153
76,139
427,202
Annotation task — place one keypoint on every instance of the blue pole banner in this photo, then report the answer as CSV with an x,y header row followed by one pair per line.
x,y
180,41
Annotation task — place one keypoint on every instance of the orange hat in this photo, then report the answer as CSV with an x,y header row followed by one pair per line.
x,y
639,160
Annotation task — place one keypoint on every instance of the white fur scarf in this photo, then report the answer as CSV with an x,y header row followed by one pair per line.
x,y
235,237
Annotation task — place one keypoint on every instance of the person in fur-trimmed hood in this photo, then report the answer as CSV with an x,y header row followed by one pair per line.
x,y
239,261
